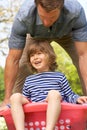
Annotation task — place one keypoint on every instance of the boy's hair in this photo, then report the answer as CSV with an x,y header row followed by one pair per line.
x,y
50,5
45,47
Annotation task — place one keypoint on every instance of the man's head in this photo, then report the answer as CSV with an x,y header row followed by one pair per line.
x,y
50,5
49,10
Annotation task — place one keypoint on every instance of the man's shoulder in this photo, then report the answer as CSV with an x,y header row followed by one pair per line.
x,y
73,6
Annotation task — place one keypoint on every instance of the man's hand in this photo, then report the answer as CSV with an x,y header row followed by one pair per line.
x,y
4,105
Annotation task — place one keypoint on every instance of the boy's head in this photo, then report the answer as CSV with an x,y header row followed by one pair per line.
x,y
44,47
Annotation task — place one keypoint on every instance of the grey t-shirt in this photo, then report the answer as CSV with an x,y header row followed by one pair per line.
x,y
71,21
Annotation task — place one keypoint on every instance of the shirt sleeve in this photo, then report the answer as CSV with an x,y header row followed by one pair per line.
x,y
18,35
25,91
69,95
79,31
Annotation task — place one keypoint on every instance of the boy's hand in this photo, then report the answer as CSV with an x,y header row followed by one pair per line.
x,y
82,99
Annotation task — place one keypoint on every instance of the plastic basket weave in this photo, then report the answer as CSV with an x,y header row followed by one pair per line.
x,y
72,117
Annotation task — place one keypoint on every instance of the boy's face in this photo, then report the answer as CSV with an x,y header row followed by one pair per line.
x,y
39,61
48,18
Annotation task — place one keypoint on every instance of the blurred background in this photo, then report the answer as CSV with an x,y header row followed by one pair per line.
x,y
8,10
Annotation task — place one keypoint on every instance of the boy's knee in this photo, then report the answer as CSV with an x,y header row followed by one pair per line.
x,y
54,94
15,97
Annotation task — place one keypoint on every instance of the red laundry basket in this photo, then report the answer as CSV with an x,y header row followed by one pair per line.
x,y
72,117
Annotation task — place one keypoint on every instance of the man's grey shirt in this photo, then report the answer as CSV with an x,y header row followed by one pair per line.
x,y
27,21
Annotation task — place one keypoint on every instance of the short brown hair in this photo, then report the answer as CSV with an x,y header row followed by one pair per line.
x,y
45,47
50,5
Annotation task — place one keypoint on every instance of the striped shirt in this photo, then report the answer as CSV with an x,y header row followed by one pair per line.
x,y
37,86
72,21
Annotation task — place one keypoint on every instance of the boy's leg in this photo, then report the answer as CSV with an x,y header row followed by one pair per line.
x,y
53,109
17,100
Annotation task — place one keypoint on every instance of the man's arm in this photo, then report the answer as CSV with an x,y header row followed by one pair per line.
x,y
11,69
81,48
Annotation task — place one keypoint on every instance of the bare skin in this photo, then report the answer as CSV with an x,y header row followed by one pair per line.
x,y
48,18
81,48
11,69
12,61
53,111
40,61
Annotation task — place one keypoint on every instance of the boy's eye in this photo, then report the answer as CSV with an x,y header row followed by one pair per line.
x,y
39,53
31,55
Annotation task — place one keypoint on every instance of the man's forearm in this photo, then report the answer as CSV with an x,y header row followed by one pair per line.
x,y
83,70
11,70
81,48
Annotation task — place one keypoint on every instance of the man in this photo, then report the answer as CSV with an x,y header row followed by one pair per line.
x,y
58,20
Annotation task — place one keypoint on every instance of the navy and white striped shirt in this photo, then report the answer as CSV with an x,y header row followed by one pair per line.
x,y
37,86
